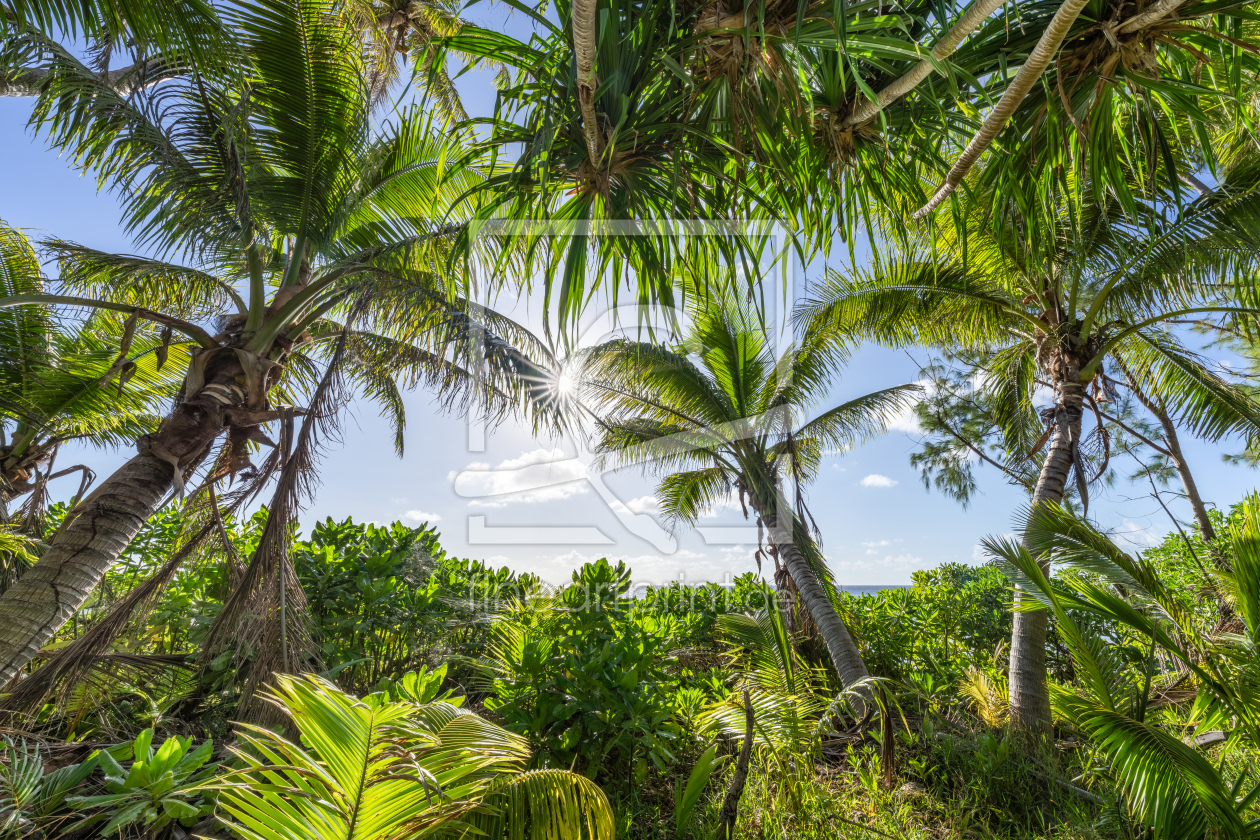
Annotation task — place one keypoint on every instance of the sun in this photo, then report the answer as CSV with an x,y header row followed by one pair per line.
x,y
566,384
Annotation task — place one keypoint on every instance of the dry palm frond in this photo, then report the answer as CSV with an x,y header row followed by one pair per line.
x,y
265,614
988,695
88,658
73,663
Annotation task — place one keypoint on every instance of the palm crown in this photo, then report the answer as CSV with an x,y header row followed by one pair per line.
x,y
1054,298
724,411
271,174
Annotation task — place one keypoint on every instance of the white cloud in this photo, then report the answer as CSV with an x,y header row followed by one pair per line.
x,y
729,502
539,476
877,480
644,504
906,420
647,569
421,516
880,543
903,561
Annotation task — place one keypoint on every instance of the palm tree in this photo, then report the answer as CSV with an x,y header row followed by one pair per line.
x,y
270,174
398,764
961,432
1171,786
721,412
1057,298
162,36
398,32
57,383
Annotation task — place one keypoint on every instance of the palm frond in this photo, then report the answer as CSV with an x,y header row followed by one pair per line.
x,y
383,767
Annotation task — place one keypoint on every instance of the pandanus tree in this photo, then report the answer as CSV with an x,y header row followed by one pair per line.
x,y
270,174
1065,298
805,115
1131,101
724,411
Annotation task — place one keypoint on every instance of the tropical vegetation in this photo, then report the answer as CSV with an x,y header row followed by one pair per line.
x,y
1060,201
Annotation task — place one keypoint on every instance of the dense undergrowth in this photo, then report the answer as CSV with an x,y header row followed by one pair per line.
x,y
634,688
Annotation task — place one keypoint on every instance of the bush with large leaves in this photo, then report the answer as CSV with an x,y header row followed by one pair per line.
x,y
585,678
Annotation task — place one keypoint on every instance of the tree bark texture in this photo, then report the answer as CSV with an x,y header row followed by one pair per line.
x,y
978,12
1038,60
585,44
98,529
1029,694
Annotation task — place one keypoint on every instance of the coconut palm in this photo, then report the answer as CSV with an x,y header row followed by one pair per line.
x,y
1062,298
724,412
270,175
398,764
1171,786
961,433
61,383
401,32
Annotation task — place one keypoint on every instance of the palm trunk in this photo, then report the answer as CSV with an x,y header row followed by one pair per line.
x,y
1029,694
844,653
98,529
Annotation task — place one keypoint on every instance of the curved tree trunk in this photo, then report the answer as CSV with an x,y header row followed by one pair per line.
x,y
844,652
1175,455
1029,694
975,15
1187,480
99,528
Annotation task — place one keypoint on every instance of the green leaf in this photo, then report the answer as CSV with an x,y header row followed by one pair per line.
x,y
687,797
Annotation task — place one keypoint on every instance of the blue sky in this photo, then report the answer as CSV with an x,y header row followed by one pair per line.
x,y
878,522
